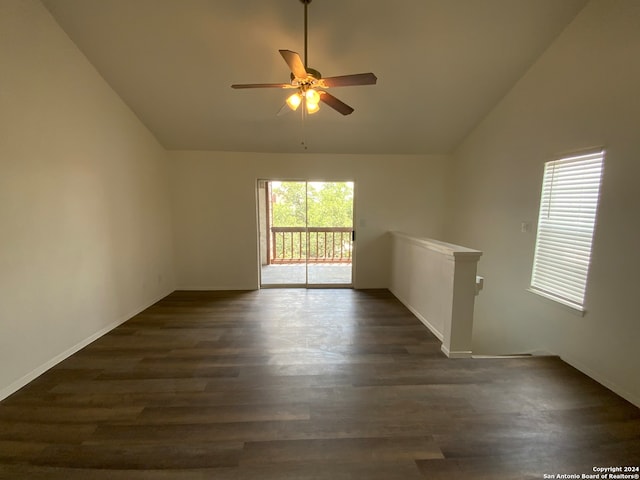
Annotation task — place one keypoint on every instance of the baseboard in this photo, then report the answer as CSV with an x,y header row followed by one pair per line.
x,y
35,373
623,392
215,288
455,354
540,353
419,316
494,357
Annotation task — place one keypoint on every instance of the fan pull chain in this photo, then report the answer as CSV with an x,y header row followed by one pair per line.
x,y
304,131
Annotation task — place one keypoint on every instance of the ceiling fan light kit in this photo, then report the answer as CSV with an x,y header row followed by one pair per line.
x,y
309,84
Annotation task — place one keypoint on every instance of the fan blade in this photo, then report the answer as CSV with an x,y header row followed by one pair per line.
x,y
262,85
350,80
295,63
336,104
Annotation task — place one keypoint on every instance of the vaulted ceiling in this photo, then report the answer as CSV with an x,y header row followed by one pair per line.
x,y
442,65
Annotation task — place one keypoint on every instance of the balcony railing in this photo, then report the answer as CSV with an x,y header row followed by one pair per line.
x,y
312,244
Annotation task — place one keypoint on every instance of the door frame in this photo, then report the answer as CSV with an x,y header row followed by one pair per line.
x,y
264,233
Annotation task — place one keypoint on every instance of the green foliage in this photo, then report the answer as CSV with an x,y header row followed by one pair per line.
x,y
289,204
328,204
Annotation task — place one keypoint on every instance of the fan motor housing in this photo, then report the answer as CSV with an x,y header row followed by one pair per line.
x,y
312,74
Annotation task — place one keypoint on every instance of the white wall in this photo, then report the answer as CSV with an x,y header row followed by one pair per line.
x,y
85,221
215,209
582,92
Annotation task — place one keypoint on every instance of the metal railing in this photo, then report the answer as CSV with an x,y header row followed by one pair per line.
x,y
311,244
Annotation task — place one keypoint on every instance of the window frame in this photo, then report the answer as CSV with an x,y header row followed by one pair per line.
x,y
560,231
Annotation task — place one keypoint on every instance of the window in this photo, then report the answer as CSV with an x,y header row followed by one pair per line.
x,y
566,222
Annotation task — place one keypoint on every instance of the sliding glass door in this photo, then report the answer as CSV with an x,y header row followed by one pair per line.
x,y
306,233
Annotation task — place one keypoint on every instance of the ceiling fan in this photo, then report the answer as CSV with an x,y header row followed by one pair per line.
x,y
309,84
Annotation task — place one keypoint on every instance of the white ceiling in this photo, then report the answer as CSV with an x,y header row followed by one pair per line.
x,y
441,66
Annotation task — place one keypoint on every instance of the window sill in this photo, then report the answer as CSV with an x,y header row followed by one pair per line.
x,y
571,307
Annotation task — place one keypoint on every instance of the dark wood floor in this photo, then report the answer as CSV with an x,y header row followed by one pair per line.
x,y
304,384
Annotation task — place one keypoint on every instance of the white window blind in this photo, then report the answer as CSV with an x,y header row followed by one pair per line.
x,y
568,205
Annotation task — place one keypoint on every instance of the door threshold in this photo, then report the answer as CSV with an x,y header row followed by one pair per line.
x,y
298,285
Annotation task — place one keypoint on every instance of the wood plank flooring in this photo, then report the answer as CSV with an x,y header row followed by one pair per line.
x,y
304,384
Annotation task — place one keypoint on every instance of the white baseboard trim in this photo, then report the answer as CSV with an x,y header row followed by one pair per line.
x,y
539,353
455,354
217,288
598,377
36,372
419,316
494,357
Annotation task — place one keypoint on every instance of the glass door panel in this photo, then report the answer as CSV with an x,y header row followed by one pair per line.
x,y
330,233
287,229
